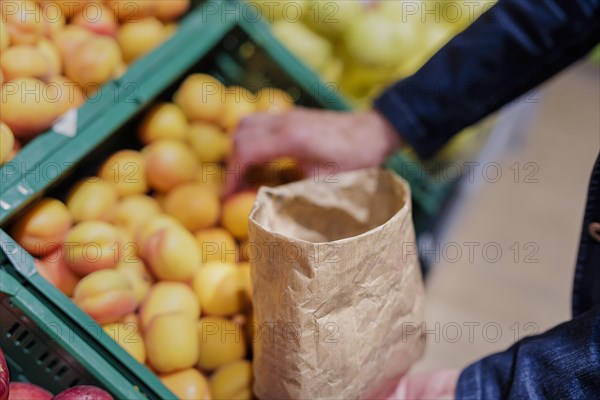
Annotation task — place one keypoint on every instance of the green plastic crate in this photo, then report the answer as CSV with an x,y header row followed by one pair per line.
x,y
44,347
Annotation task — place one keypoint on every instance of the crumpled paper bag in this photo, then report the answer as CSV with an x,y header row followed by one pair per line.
x,y
334,291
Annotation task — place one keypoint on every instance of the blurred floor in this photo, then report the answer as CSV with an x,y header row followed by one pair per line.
x,y
507,260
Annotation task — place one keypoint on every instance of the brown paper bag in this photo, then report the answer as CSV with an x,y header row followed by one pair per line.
x,y
337,302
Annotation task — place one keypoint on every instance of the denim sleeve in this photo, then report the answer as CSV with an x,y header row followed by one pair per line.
x,y
510,49
563,363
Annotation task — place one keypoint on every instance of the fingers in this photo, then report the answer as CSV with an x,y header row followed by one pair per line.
x,y
260,138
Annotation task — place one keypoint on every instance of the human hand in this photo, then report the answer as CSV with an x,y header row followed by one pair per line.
x,y
440,384
314,138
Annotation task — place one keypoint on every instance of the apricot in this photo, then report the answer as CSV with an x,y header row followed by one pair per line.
x,y
105,295
93,61
70,8
133,211
193,206
172,254
54,269
69,38
236,210
26,107
138,276
170,30
126,169
4,37
154,224
54,18
274,101
24,20
43,227
131,10
91,246
163,121
128,336
169,297
169,163
219,288
208,142
7,142
137,38
172,342
239,103
216,244
232,381
199,96
50,52
211,175
65,93
170,10
92,199
131,318
97,18
22,61
188,384
221,342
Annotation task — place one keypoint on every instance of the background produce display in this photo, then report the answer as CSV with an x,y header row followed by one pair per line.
x,y
363,46
151,250
54,54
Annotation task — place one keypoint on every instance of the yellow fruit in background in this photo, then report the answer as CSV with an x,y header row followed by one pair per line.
x,y
172,254
129,337
91,246
193,206
93,62
105,295
54,269
133,211
232,381
275,10
43,227
172,342
216,244
309,47
236,210
169,163
24,20
188,384
169,10
136,273
4,37
221,342
163,121
22,61
7,142
139,37
70,8
208,141
219,289
92,199
26,107
54,18
332,18
239,103
200,96
167,298
273,100
126,169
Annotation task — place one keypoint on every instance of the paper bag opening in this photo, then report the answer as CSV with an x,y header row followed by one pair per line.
x,y
340,208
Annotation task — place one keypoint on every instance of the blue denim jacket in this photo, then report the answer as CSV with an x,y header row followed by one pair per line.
x,y
509,50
